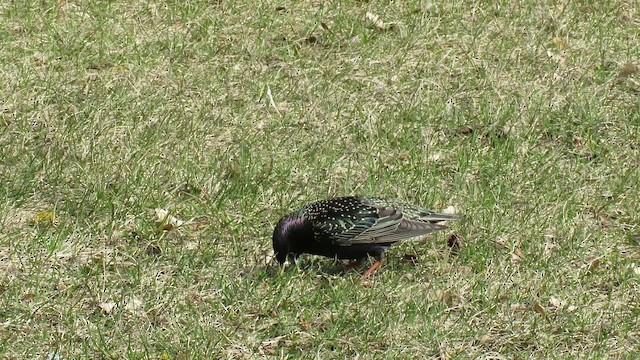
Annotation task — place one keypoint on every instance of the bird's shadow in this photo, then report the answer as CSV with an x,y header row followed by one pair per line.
x,y
319,267
346,268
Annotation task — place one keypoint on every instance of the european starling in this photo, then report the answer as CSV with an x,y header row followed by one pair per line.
x,y
352,228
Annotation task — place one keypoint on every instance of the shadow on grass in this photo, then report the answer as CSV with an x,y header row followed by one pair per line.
x,y
324,267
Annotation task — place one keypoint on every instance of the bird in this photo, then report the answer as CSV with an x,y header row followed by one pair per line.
x,y
352,227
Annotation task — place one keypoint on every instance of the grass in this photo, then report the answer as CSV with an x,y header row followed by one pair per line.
x,y
523,116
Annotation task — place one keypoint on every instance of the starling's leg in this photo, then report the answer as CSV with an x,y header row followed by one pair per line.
x,y
375,266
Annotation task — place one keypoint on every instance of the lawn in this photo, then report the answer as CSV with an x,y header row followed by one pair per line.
x,y
147,149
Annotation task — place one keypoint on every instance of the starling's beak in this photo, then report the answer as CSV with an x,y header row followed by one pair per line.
x,y
291,259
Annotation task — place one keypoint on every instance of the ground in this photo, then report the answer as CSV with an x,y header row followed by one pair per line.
x,y
147,149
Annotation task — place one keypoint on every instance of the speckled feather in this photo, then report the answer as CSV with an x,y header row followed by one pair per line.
x,y
352,227
351,220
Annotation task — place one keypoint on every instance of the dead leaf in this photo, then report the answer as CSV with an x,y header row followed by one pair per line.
x,y
198,225
549,248
107,307
168,221
271,345
556,303
46,218
153,249
449,210
507,130
133,304
540,310
501,240
269,257
454,241
517,255
381,25
524,306
560,59
486,339
435,157
626,71
452,299
311,39
303,323
412,258
464,130
605,221
561,44
593,262
28,296
167,227
374,19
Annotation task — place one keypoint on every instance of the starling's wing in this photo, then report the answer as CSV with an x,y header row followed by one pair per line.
x,y
398,221
341,219
348,221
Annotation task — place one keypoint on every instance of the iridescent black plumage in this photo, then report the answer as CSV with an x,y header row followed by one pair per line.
x,y
352,227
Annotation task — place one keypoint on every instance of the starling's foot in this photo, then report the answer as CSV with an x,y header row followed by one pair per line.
x,y
376,265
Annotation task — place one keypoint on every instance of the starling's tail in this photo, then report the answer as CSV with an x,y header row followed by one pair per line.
x,y
411,228
438,217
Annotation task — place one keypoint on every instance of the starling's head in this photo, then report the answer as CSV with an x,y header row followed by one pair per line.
x,y
286,236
